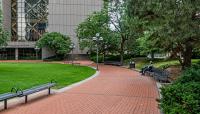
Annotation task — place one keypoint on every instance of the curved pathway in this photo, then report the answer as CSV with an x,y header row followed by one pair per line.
x,y
115,91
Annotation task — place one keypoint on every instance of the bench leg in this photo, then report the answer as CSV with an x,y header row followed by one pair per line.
x,y
26,98
49,91
5,104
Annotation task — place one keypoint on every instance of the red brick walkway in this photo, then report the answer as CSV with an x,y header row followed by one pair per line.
x,y
115,91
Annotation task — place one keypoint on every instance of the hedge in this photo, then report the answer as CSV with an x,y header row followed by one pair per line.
x,y
183,96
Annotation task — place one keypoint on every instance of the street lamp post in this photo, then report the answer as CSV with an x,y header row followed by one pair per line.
x,y
37,49
97,40
72,47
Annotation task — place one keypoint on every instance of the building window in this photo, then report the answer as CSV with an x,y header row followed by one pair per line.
x,y
29,19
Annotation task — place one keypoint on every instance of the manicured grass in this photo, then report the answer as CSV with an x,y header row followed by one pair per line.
x,y
26,75
141,62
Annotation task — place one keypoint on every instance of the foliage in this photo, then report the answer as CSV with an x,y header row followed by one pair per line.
x,y
146,45
125,26
100,58
27,75
112,57
190,75
183,96
196,53
158,63
55,41
96,23
174,25
118,30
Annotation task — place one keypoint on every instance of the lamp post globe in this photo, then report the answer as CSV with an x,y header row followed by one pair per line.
x,y
97,34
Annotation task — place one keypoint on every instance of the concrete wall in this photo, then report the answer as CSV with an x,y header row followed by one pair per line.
x,y
6,14
65,15
46,52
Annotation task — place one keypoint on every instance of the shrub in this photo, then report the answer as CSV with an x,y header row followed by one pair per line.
x,y
94,58
190,75
55,41
183,96
117,57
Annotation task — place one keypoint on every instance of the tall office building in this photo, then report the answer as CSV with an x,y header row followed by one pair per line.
x,y
28,20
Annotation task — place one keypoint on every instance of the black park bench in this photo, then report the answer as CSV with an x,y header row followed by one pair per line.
x,y
159,74
25,93
115,63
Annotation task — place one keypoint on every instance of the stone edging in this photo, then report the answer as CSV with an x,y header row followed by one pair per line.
x,y
76,84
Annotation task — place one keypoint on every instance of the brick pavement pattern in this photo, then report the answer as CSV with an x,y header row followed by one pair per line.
x,y
115,91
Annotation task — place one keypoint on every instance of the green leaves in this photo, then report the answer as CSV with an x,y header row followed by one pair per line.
x,y
183,96
174,24
96,23
55,41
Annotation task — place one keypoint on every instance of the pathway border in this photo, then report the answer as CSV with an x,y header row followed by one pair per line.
x,y
78,83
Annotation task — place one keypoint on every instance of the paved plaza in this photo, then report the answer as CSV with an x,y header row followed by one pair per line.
x,y
115,91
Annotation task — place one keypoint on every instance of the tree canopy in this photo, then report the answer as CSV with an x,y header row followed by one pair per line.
x,y
118,30
96,23
173,24
56,41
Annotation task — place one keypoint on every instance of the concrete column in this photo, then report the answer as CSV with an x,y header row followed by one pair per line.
x,y
16,54
46,52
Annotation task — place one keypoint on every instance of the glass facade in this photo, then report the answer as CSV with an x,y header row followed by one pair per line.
x,y
29,19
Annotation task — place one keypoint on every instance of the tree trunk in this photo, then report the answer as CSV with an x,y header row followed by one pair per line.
x,y
187,56
152,55
122,51
122,58
104,53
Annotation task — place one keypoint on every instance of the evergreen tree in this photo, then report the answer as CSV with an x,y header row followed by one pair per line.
x,y
173,25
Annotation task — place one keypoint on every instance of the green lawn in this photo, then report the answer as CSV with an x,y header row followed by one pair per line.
x,y
141,62
26,75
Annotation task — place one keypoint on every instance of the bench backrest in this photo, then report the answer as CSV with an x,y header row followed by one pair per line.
x,y
37,89
160,71
7,96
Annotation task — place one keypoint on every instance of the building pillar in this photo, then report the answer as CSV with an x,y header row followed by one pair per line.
x,y
16,54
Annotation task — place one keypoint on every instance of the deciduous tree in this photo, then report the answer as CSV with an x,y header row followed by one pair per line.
x,y
56,41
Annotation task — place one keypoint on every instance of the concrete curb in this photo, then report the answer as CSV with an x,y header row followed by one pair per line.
x,y
76,84
18,100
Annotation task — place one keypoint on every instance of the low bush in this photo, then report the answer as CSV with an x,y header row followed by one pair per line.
x,y
109,57
94,58
190,75
183,96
